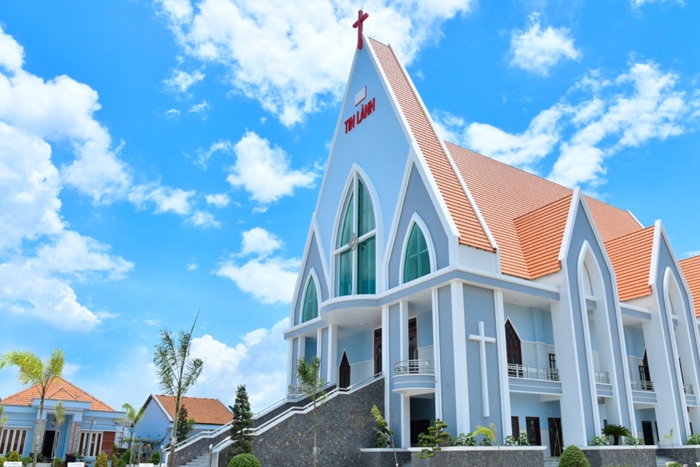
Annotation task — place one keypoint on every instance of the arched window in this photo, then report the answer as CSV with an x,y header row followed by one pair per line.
x,y
513,351
356,251
310,309
417,260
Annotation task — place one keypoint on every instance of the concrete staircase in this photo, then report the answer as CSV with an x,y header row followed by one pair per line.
x,y
201,461
551,462
661,461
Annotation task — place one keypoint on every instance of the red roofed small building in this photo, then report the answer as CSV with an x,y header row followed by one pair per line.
x,y
480,293
90,426
157,420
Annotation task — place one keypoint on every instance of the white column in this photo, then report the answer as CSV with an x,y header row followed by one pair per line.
x,y
436,353
503,364
405,421
460,358
332,354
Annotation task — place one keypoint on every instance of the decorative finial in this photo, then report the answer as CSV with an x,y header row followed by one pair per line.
x,y
361,17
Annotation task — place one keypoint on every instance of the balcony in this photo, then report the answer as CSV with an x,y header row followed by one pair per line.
x,y
688,389
414,377
602,377
532,372
642,385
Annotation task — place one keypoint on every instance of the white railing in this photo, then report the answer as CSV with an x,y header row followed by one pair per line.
x,y
688,389
642,385
295,390
602,377
414,367
532,372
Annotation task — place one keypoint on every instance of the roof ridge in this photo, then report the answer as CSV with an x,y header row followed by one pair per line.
x,y
631,234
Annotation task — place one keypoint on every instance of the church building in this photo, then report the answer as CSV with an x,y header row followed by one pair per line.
x,y
483,293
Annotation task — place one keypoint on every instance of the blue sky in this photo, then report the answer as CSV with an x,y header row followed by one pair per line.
x,y
160,157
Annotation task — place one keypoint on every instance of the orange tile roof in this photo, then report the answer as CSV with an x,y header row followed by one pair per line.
x,y
59,389
203,410
540,233
471,232
691,271
630,256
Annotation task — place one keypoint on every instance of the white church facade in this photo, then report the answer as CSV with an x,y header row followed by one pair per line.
x,y
485,294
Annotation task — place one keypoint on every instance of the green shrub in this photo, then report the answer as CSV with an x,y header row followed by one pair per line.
x,y
57,462
2,460
155,457
119,463
463,440
521,440
14,457
599,441
244,460
693,439
102,460
573,457
632,441
616,431
127,454
29,459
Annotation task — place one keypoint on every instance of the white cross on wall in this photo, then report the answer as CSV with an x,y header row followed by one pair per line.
x,y
483,340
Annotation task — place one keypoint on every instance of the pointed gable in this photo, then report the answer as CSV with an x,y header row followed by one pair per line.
x,y
60,390
630,256
691,271
540,233
203,410
471,232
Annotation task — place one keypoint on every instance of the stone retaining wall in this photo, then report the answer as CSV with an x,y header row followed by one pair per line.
x,y
345,424
603,456
196,449
482,456
683,454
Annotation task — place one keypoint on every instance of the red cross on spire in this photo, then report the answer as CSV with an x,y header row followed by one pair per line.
x,y
361,17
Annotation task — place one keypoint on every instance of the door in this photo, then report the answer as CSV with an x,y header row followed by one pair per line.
x,y
377,351
413,345
513,351
344,377
555,436
47,449
648,433
534,437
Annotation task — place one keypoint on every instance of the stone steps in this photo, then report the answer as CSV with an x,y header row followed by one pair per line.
x,y
201,461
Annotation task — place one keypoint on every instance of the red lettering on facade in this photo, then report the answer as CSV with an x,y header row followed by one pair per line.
x,y
365,111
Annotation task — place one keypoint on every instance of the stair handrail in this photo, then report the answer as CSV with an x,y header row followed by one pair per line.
x,y
207,434
305,409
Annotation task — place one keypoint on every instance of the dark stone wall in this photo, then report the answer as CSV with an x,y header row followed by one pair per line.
x,y
344,425
384,458
475,457
683,454
197,449
605,456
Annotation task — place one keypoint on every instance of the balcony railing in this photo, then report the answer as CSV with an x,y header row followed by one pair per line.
x,y
688,389
642,385
532,372
294,390
602,377
414,367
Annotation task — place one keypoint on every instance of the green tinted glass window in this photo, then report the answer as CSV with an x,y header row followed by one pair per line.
x,y
310,302
365,211
346,232
417,261
366,267
345,273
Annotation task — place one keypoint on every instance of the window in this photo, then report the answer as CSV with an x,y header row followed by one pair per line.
x,y
310,310
12,439
356,251
91,443
513,352
533,431
417,261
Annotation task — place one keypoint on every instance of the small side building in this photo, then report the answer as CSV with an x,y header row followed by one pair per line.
x,y
90,426
158,412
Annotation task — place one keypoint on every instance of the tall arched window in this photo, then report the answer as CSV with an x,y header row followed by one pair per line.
x,y
513,351
417,260
310,309
356,251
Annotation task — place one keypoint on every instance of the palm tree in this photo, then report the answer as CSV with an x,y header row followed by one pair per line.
x,y
176,372
33,371
3,420
311,385
60,415
616,431
131,419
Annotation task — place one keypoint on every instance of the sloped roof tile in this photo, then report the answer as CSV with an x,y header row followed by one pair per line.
x,y
691,271
59,389
630,256
471,232
202,410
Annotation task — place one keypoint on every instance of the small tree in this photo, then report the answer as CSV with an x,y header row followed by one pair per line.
x,y
311,385
244,460
177,373
60,415
184,424
33,371
130,420
242,422
573,457
102,460
435,438
616,431
385,437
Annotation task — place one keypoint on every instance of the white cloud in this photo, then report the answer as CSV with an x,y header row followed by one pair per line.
x,y
537,50
259,361
204,219
181,80
599,118
165,199
11,53
255,275
200,109
203,155
271,51
192,267
638,3
172,113
264,171
219,200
